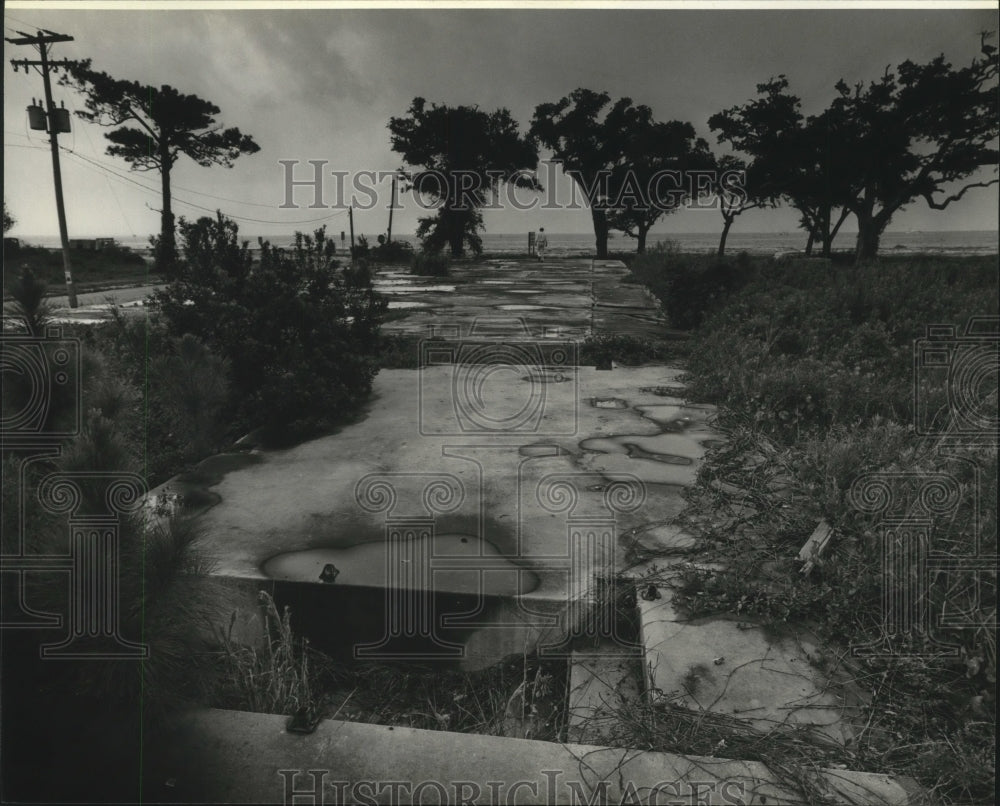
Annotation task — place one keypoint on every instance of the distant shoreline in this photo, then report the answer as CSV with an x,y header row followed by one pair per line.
x,y
932,242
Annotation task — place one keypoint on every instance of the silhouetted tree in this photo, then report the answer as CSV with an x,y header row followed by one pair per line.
x,y
793,158
465,153
588,146
658,174
153,127
8,220
739,187
914,134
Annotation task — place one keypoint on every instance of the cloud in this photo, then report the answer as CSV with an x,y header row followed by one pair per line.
x,y
322,84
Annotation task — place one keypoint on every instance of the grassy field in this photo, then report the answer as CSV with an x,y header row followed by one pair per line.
x,y
90,268
812,366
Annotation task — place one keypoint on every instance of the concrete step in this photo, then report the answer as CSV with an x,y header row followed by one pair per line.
x,y
604,681
238,757
733,668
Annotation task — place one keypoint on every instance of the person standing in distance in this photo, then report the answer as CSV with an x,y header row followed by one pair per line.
x,y
541,243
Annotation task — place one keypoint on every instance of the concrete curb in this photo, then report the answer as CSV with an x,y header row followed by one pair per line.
x,y
240,757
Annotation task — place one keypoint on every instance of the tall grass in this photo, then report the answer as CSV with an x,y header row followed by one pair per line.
x,y
273,679
812,367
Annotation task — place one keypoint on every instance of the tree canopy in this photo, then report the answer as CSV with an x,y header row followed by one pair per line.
x,y
659,172
921,132
8,220
588,139
151,128
798,159
925,131
464,153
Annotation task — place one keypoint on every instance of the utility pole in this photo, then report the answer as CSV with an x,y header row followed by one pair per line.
x,y
42,41
350,217
392,204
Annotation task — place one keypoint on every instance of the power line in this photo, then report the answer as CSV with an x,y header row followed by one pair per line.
x,y
122,177
106,166
20,22
97,166
109,167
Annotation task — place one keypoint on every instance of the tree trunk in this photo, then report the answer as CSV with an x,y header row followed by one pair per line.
x,y
725,234
869,233
600,219
869,228
456,233
830,235
809,243
641,236
166,252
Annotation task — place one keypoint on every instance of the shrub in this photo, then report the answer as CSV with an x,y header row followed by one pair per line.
x,y
361,248
430,264
28,291
814,371
689,286
601,349
393,252
299,336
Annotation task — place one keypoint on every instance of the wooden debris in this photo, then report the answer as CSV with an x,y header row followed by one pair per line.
x,y
815,546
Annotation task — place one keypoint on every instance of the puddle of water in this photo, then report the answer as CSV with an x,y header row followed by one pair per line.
x,y
675,418
524,291
74,320
368,564
412,289
541,449
673,445
399,304
546,376
673,390
647,470
497,282
667,458
608,403
522,307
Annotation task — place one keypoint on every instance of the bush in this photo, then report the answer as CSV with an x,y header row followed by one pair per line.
x,y
600,350
430,264
689,286
393,252
361,248
300,336
29,291
814,373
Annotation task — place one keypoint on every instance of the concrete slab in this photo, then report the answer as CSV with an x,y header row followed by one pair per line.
x,y
576,296
475,511
733,668
237,757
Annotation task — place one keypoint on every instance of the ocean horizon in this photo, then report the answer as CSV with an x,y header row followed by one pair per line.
x,y
944,242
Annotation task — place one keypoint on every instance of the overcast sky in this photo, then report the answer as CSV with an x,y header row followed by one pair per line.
x,y
322,85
